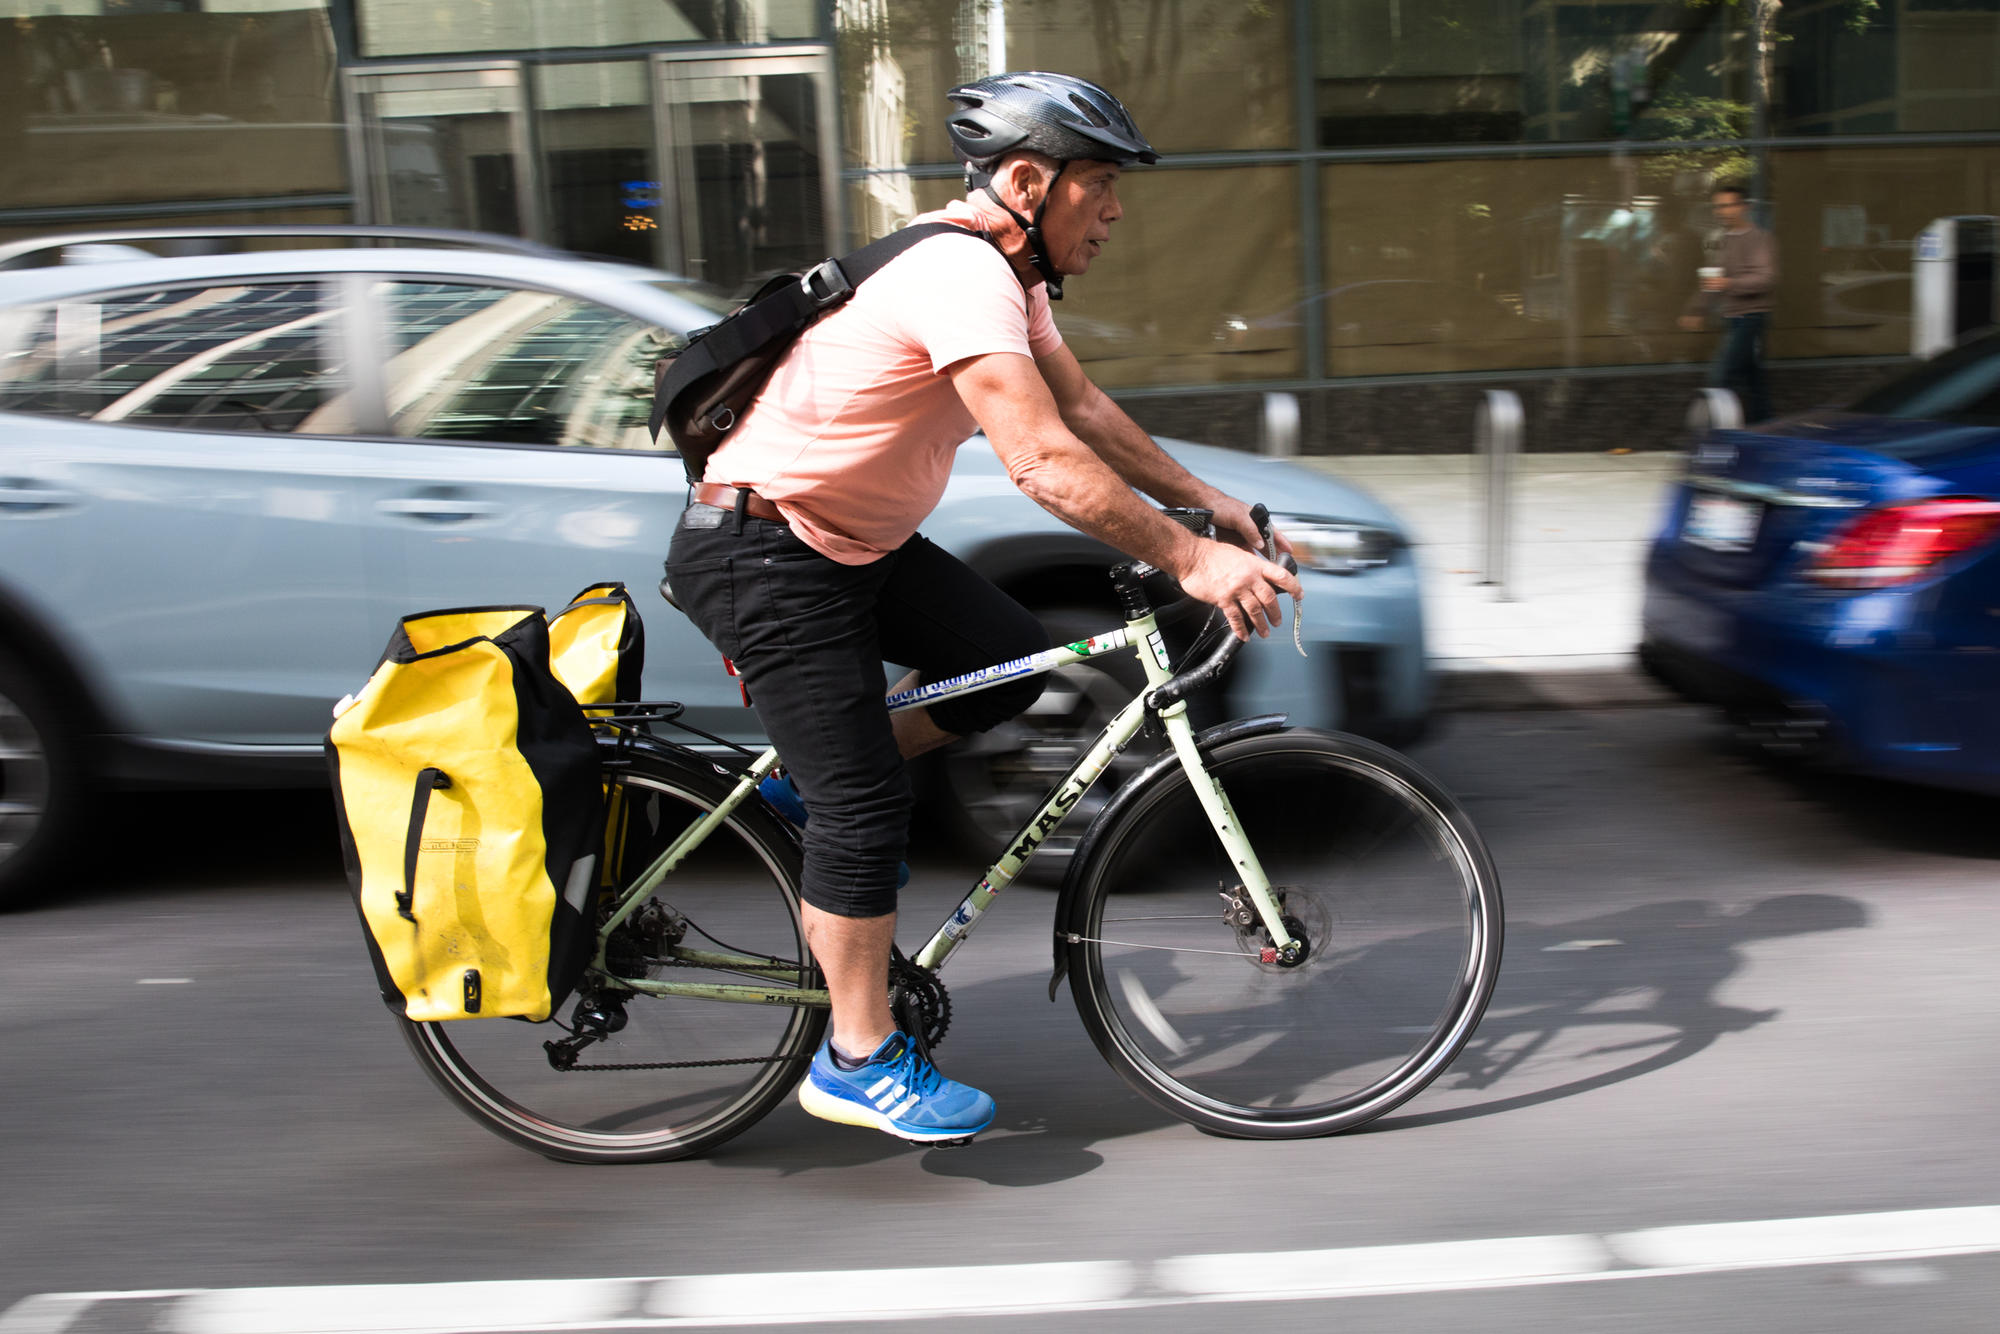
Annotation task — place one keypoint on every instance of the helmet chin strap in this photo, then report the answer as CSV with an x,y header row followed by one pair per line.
x,y
1038,247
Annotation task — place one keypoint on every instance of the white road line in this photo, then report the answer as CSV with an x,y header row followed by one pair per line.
x,y
526,1304
1791,1241
1365,1269
1030,1289
893,1293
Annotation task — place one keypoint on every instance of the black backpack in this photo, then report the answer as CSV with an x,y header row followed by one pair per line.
x,y
702,391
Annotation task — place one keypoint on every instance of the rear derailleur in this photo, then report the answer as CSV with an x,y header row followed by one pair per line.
x,y
599,1013
645,940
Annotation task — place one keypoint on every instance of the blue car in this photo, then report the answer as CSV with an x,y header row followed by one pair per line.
x,y
1832,580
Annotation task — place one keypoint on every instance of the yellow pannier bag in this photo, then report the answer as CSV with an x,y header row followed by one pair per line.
x,y
597,646
470,803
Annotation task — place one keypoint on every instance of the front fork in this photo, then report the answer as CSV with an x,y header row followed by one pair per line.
x,y
1286,949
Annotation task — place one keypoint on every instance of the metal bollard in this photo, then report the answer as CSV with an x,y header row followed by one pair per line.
x,y
1281,425
1714,410
1496,433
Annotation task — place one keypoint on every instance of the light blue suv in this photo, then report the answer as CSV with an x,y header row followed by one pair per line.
x,y
224,476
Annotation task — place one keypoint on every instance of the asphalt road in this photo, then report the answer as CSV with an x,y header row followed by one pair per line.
x,y
1732,996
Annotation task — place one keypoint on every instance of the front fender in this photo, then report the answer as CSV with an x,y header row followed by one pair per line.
x,y
1161,770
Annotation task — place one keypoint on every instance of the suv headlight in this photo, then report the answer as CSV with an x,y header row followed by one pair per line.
x,y
1336,546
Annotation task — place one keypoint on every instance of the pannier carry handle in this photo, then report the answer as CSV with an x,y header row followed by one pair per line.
x,y
420,802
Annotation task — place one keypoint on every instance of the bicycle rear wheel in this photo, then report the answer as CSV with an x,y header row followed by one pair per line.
x,y
703,1070
1375,867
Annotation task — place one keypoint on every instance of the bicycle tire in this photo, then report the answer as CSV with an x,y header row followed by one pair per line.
x,y
1404,936
740,889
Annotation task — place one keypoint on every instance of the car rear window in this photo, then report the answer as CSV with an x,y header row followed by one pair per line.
x,y
1961,386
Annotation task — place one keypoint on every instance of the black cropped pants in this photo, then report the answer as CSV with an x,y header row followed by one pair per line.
x,y
810,636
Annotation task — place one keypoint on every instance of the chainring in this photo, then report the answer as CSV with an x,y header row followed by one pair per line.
x,y
918,994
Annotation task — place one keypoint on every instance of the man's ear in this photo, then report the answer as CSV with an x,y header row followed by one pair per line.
x,y
1024,181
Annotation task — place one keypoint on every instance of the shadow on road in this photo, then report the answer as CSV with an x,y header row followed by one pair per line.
x,y
1652,971
1580,1006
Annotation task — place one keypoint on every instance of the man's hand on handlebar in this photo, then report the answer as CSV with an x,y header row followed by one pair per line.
x,y
1233,523
1244,587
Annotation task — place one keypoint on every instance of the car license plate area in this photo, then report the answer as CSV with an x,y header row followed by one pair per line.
x,y
1721,523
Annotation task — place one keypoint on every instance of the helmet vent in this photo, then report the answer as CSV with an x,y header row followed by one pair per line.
x,y
1090,113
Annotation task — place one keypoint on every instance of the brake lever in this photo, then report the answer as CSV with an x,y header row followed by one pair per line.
x,y
1262,518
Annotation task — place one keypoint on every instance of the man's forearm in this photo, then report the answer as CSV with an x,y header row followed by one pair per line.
x,y
1085,493
1134,456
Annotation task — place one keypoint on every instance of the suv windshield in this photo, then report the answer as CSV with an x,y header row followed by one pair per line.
x,y
1961,386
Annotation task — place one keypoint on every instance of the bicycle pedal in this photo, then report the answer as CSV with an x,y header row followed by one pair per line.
x,y
947,1143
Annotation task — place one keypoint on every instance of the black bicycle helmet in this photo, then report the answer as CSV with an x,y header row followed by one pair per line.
x,y
1068,119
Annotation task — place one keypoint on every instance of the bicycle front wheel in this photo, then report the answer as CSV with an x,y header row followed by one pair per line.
x,y
1374,867
675,1075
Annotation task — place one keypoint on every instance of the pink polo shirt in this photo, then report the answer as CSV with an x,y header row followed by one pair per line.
x,y
854,435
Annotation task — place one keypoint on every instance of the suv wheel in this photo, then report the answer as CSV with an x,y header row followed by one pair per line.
x,y
39,783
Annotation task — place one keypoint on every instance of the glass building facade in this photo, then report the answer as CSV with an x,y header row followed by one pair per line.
x,y
1361,195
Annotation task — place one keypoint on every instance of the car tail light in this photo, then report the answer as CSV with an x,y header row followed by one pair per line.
x,y
1898,543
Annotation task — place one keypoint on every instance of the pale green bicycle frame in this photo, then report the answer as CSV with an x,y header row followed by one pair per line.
x,y
1140,637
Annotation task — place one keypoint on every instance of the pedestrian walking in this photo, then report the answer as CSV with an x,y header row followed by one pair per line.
x,y
1739,278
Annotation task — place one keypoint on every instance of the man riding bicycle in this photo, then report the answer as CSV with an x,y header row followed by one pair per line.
x,y
800,558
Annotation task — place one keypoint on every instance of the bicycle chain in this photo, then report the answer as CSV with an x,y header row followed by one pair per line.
x,y
933,1002
685,1065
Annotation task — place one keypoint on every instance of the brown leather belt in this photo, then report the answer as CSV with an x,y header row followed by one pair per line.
x,y
725,498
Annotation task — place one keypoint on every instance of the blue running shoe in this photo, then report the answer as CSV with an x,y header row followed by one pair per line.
x,y
785,799
898,1092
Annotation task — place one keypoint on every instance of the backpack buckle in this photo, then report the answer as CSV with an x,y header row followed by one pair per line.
x,y
825,285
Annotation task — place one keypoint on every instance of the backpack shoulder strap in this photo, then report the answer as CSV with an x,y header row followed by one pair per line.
x,y
793,306
786,309
870,259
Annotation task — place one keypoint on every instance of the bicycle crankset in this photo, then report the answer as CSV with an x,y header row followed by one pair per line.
x,y
919,1002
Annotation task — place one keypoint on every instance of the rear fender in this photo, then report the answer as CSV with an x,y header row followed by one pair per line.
x,y
1164,769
